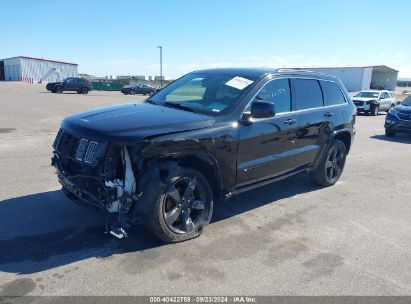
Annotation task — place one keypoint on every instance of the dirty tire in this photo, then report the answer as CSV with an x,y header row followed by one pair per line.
x,y
331,167
183,206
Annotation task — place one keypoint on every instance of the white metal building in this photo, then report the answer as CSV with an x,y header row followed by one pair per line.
x,y
403,84
363,78
23,68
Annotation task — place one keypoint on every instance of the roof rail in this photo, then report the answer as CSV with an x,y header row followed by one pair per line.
x,y
303,70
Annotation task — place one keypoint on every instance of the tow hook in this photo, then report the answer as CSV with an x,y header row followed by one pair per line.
x,y
119,233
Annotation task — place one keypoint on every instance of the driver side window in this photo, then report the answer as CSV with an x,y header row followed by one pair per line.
x,y
278,92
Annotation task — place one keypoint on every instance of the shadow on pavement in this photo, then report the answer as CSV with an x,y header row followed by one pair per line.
x,y
46,230
402,138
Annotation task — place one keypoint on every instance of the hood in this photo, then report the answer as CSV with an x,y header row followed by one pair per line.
x,y
130,122
403,109
364,98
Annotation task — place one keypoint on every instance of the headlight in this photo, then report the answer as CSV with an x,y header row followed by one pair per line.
x,y
393,111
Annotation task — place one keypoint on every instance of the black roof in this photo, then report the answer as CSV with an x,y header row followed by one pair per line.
x,y
260,72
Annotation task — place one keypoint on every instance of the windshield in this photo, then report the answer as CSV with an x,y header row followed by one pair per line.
x,y
209,94
367,94
407,101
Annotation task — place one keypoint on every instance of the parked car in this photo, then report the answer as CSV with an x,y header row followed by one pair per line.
x,y
79,85
139,89
373,101
398,119
207,136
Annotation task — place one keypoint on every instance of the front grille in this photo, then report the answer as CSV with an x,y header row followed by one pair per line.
x,y
74,147
359,103
91,151
81,149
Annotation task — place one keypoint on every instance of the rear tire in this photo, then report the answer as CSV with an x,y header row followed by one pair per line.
x,y
59,89
84,91
182,208
331,167
389,132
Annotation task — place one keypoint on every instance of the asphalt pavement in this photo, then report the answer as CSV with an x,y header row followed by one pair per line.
x,y
288,238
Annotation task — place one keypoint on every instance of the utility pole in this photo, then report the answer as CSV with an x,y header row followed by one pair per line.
x,y
161,66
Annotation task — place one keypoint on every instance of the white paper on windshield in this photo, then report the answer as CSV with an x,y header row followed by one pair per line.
x,y
239,82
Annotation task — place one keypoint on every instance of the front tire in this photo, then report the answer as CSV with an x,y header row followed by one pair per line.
x,y
331,167
59,89
389,132
84,91
182,208
375,110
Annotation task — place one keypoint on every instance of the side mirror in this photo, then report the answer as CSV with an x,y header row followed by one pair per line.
x,y
262,109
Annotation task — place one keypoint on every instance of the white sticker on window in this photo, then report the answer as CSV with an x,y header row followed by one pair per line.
x,y
239,82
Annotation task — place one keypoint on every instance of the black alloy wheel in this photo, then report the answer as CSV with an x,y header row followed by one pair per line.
x,y
184,205
335,164
183,208
331,167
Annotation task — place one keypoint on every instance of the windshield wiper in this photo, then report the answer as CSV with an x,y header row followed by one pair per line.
x,y
179,106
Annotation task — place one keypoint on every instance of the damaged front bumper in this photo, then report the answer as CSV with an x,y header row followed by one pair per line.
x,y
74,190
98,173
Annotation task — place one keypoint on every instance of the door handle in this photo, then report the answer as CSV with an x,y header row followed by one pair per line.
x,y
328,114
290,121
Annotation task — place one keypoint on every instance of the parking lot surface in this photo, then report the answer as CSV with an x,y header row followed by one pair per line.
x,y
288,238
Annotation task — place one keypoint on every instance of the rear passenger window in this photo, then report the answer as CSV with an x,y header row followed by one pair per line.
x,y
307,94
278,92
332,93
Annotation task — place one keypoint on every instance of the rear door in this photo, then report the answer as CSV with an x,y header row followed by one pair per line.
x,y
266,146
312,125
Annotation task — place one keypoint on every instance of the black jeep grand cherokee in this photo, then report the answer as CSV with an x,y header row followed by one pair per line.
x,y
210,134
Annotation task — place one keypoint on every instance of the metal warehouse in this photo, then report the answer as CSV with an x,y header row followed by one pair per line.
x,y
23,68
363,78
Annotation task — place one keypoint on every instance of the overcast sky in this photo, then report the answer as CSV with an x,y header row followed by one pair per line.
x,y
121,37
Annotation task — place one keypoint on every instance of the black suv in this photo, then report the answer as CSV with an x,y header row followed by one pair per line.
x,y
79,85
209,135
139,89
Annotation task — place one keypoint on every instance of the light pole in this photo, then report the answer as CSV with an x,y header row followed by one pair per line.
x,y
161,66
